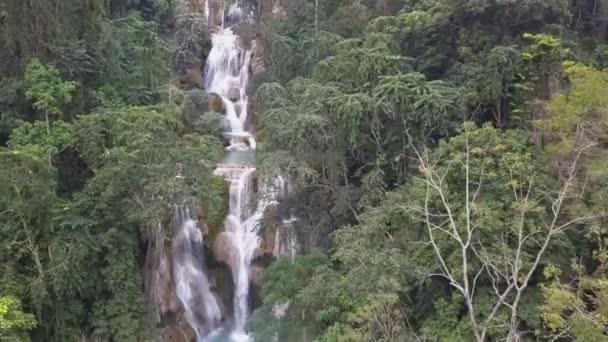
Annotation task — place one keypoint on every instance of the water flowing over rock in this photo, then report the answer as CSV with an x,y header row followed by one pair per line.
x,y
159,285
227,74
200,305
241,232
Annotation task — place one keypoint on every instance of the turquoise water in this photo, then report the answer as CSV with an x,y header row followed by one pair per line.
x,y
237,157
224,335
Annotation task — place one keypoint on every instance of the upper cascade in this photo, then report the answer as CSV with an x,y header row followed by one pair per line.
x,y
227,75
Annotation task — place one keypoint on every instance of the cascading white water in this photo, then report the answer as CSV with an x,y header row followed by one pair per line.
x,y
192,285
227,75
241,228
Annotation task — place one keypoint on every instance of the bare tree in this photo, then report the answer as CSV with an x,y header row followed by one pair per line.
x,y
508,265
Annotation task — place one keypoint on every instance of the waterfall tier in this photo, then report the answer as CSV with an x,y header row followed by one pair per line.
x,y
200,305
227,75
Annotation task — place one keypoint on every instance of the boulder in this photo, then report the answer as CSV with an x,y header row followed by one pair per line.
x,y
234,94
222,248
216,103
179,333
246,32
194,77
278,11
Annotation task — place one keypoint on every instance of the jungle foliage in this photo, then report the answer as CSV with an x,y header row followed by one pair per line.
x,y
449,160
92,141
450,165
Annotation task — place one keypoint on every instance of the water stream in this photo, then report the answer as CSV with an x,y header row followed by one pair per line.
x,y
227,75
201,307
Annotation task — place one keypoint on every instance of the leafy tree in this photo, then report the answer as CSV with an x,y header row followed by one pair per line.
x,y
544,57
134,56
48,140
465,226
43,262
575,128
492,82
14,323
567,310
45,87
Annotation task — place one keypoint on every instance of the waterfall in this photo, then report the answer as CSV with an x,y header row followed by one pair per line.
x,y
200,305
227,76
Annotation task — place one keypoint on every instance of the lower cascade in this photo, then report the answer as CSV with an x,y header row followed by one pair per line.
x,y
200,305
241,230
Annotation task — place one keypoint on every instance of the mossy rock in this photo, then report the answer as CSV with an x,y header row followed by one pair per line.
x,y
269,227
247,32
216,104
217,209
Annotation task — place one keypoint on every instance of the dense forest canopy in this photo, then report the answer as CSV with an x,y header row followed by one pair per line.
x,y
448,158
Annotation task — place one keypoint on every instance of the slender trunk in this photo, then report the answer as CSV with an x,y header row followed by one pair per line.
x,y
316,15
601,10
513,321
48,123
48,133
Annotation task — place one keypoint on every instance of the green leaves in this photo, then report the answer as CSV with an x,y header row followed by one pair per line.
x,y
584,105
283,278
35,137
14,323
133,62
358,64
425,108
350,110
45,87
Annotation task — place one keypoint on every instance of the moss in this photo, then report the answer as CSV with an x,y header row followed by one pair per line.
x,y
268,229
216,209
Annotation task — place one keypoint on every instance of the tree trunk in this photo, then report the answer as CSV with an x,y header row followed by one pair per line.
x,y
601,14
316,15
48,123
48,133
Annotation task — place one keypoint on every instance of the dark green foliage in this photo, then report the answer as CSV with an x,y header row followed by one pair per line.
x,y
198,114
350,133
361,104
133,56
80,263
192,40
74,261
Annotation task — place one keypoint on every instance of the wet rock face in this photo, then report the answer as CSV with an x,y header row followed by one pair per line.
x,y
222,248
215,12
257,272
216,104
194,77
234,94
260,58
158,281
179,333
160,291
246,32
